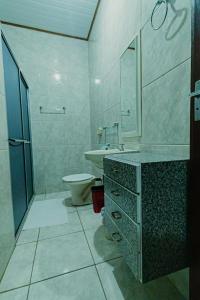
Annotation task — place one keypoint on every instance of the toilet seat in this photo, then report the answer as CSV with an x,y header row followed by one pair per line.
x,y
77,178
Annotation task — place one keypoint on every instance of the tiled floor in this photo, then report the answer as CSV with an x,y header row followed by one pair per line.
x,y
74,261
48,213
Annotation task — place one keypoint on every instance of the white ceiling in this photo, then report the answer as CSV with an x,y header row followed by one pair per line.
x,y
70,17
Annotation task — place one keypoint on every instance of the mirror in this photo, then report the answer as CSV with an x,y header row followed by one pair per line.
x,y
131,90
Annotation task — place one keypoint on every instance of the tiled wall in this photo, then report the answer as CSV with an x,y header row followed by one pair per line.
x,y
59,141
166,79
7,239
165,70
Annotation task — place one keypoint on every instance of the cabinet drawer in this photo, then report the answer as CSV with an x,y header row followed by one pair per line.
x,y
126,200
128,252
122,173
126,226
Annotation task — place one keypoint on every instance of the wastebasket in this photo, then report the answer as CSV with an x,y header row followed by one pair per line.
x,y
98,198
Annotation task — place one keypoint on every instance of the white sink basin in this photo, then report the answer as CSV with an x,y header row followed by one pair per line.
x,y
97,156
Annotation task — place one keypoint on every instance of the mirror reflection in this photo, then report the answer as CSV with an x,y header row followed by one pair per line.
x,y
130,90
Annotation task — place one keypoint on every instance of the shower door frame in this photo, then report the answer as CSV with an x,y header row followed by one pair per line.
x,y
194,178
22,77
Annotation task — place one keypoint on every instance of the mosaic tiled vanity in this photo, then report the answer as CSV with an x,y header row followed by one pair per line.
x,y
146,211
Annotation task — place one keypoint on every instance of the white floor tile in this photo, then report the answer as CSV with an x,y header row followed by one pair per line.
x,y
19,294
84,207
60,195
47,213
181,281
28,236
80,285
61,255
40,197
72,225
19,269
120,284
89,219
102,248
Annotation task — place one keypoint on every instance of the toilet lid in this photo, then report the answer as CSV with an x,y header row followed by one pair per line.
x,y
77,177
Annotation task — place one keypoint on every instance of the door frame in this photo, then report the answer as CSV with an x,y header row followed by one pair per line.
x,y
194,178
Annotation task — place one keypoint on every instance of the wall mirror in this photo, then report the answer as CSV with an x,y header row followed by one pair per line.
x,y
130,73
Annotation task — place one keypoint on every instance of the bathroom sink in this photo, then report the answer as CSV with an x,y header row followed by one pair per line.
x,y
97,156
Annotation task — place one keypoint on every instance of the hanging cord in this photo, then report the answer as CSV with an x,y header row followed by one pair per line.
x,y
156,7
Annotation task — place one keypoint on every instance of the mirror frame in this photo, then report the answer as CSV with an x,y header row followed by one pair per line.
x,y
138,133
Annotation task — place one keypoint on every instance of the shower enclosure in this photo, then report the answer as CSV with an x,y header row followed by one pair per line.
x,y
19,138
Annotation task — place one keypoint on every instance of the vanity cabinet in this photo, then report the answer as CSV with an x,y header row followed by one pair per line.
x,y
146,211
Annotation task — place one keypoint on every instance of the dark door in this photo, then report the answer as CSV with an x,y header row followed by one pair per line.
x,y
27,137
15,135
194,211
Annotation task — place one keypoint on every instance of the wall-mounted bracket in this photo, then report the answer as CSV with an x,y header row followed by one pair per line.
x,y
55,111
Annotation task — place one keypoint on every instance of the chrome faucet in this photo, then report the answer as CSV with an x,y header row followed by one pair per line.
x,y
121,147
107,146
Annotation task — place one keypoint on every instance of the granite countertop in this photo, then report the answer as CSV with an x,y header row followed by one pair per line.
x,y
146,157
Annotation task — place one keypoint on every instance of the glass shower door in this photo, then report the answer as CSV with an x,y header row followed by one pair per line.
x,y
15,136
27,137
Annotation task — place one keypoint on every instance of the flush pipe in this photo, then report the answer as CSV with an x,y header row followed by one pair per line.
x,y
116,124
105,132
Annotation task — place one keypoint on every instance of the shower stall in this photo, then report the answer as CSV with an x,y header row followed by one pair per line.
x,y
19,136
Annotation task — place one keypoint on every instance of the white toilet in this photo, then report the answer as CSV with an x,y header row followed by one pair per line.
x,y
80,187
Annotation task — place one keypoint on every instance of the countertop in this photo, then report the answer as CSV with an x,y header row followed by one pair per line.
x,y
146,157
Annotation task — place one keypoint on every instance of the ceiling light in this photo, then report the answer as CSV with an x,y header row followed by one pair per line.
x,y
97,81
57,76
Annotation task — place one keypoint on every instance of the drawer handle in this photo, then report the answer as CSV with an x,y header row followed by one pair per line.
x,y
115,170
115,193
117,237
116,215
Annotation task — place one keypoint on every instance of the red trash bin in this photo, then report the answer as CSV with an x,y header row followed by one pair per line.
x,y
98,198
